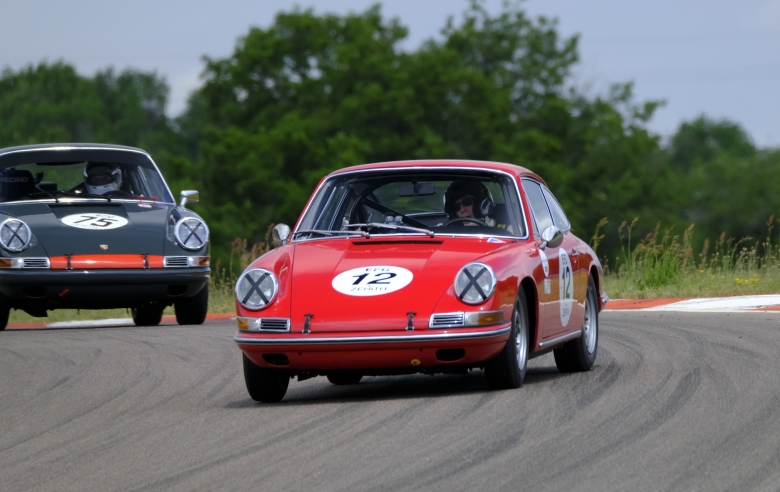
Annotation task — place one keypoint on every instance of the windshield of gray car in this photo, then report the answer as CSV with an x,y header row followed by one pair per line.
x,y
430,201
68,180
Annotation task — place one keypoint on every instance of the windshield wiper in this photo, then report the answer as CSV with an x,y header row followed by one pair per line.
x,y
332,233
62,193
394,227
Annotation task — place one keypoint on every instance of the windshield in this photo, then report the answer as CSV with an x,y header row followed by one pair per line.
x,y
88,179
415,202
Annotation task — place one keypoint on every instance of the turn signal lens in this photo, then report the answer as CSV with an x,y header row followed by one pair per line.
x,y
196,261
481,318
242,323
11,263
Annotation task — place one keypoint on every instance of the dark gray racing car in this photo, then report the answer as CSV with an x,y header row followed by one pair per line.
x,y
89,226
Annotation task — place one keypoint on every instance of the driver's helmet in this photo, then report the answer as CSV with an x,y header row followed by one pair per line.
x,y
462,188
102,177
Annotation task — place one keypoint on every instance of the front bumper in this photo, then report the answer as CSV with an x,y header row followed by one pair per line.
x,y
374,350
99,289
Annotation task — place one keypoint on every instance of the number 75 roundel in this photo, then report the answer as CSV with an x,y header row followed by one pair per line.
x,y
372,280
95,222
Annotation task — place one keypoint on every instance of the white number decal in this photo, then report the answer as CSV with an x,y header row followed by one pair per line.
x,y
372,281
95,222
565,286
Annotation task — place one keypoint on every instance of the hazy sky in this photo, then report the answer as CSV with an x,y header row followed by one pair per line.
x,y
717,57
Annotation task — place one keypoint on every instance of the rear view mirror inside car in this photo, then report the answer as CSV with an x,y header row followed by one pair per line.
x,y
416,189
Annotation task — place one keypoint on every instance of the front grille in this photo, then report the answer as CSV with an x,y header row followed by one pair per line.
x,y
175,261
36,263
446,320
275,324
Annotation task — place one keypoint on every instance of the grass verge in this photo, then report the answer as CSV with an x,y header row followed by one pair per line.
x,y
665,265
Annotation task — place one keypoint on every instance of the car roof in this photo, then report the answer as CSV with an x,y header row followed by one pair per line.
x,y
68,146
512,169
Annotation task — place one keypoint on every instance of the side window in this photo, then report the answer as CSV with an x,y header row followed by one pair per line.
x,y
542,217
561,222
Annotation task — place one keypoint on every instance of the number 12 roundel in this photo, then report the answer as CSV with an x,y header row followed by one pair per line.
x,y
372,280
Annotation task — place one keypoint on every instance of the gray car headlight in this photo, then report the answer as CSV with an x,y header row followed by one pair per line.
x,y
475,283
15,235
191,233
256,288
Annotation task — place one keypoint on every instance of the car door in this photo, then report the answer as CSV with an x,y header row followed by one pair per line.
x,y
574,281
549,290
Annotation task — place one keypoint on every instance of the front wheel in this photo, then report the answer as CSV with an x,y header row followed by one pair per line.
x,y
508,369
266,385
579,355
148,315
193,310
5,311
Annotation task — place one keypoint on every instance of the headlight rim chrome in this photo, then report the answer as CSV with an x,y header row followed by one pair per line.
x,y
270,299
462,295
182,243
26,243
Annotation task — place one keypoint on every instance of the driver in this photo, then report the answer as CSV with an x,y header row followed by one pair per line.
x,y
466,198
102,177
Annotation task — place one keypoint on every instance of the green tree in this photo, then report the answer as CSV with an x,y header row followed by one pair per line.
x,y
311,94
703,140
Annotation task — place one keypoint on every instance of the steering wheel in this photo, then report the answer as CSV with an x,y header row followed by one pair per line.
x,y
466,219
387,210
118,194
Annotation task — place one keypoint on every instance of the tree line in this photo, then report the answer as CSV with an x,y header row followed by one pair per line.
x,y
314,93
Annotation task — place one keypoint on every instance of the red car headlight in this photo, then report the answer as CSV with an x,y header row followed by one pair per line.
x,y
475,283
256,288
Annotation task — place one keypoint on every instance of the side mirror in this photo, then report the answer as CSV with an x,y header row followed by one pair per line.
x,y
189,196
280,234
552,237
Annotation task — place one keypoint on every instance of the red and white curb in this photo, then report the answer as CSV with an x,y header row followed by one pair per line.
x,y
94,323
766,303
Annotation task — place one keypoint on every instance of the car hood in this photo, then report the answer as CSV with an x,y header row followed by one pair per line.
x,y
96,228
373,285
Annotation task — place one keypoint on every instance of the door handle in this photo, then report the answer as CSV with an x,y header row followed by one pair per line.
x,y
575,253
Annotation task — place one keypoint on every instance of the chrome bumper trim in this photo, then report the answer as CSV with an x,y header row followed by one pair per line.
x,y
427,337
604,299
562,338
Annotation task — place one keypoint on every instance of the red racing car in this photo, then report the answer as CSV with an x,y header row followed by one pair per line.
x,y
420,266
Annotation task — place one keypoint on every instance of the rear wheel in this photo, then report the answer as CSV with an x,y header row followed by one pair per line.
x,y
580,354
266,385
193,310
342,378
507,370
148,315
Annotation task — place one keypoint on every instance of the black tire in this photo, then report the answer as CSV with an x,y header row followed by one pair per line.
x,y
149,315
266,385
193,310
508,369
579,355
344,378
5,311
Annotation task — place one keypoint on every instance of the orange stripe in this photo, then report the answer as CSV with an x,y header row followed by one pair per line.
x,y
97,262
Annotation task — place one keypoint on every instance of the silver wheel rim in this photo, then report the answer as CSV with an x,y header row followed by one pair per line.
x,y
521,341
589,328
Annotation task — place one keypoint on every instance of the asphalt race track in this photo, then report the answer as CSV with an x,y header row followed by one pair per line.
x,y
676,401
